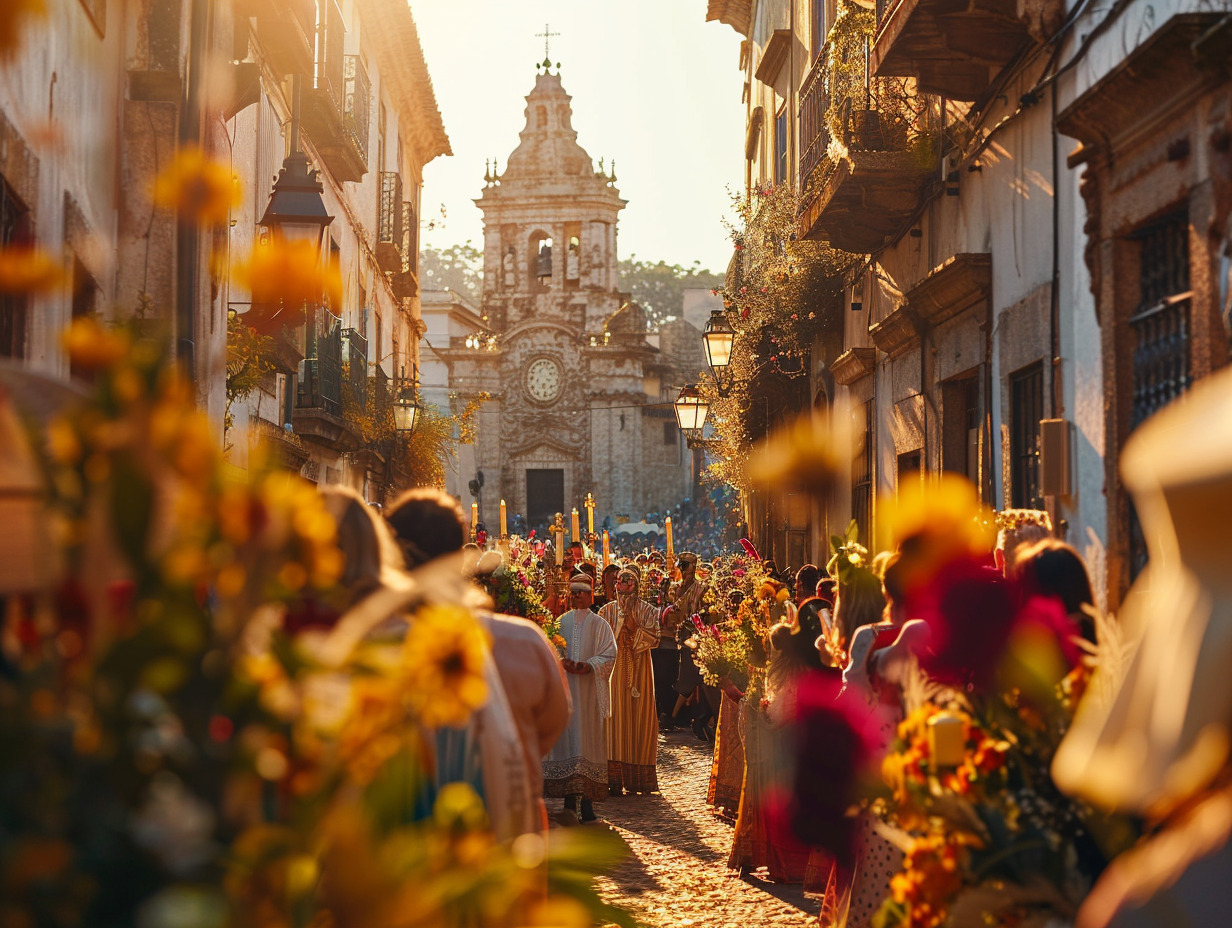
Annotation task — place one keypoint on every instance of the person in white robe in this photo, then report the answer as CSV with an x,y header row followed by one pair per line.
x,y
576,768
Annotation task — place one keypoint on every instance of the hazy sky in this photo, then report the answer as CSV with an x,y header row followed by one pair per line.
x,y
654,86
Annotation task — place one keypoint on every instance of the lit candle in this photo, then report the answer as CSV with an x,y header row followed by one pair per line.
x,y
504,529
945,739
474,514
607,554
590,520
577,532
667,524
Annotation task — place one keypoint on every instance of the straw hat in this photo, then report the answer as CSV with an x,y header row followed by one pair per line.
x,y
1165,733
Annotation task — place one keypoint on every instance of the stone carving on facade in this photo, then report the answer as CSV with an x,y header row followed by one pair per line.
x,y
571,261
598,275
508,263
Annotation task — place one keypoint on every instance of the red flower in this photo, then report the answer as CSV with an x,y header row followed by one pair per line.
x,y
837,741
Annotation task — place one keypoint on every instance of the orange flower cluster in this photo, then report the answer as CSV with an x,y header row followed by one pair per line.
x,y
910,769
198,189
932,875
254,541
28,270
284,277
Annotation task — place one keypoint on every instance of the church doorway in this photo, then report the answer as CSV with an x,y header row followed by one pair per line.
x,y
545,495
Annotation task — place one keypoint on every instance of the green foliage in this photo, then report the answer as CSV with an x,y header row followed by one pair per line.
x,y
659,287
248,363
458,267
420,457
780,294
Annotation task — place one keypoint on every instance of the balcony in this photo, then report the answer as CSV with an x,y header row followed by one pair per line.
x,y
955,49
354,374
318,400
335,107
868,147
286,32
390,213
406,282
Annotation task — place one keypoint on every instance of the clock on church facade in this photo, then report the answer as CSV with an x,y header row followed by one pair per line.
x,y
579,392
543,380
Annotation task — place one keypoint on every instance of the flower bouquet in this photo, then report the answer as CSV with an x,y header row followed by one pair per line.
x,y
179,751
513,593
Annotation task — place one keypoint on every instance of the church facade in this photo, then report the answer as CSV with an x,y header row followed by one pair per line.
x,y
580,395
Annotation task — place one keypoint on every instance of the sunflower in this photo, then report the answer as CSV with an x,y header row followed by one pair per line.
x,y
443,659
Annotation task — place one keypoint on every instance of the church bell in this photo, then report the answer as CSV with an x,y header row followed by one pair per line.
x,y
544,265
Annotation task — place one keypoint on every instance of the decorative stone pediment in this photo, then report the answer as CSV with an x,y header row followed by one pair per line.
x,y
896,332
956,284
544,448
1151,84
853,364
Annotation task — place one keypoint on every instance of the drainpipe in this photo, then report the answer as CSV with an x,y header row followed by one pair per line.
x,y
1054,310
188,236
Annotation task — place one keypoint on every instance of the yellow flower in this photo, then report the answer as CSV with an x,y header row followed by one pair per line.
x,y
289,274
443,656
91,346
807,455
946,510
14,15
197,188
25,269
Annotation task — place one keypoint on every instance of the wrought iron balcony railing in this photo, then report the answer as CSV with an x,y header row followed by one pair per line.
x,y
391,210
320,373
813,132
357,98
354,371
336,105
410,236
867,143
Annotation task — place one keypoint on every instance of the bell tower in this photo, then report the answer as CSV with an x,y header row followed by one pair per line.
x,y
569,375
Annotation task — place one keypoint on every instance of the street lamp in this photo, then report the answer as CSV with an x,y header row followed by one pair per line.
x,y
718,338
296,210
691,409
406,407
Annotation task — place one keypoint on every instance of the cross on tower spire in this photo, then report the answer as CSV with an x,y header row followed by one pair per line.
x,y
547,36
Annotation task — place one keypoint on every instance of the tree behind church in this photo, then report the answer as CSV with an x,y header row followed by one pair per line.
x,y
658,287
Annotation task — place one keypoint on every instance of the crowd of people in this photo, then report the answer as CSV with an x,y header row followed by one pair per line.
x,y
726,647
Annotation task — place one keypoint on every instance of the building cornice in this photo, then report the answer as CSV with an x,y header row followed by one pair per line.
x,y
393,37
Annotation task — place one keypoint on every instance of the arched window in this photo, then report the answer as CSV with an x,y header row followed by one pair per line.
x,y
539,259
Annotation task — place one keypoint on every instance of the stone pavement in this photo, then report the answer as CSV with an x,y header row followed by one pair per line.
x,y
677,874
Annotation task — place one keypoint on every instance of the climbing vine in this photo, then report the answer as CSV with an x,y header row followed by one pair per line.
x,y
781,293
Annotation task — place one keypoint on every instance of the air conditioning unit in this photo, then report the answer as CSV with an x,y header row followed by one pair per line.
x,y
1055,473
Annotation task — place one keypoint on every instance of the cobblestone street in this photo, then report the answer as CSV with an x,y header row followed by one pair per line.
x,y
677,874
